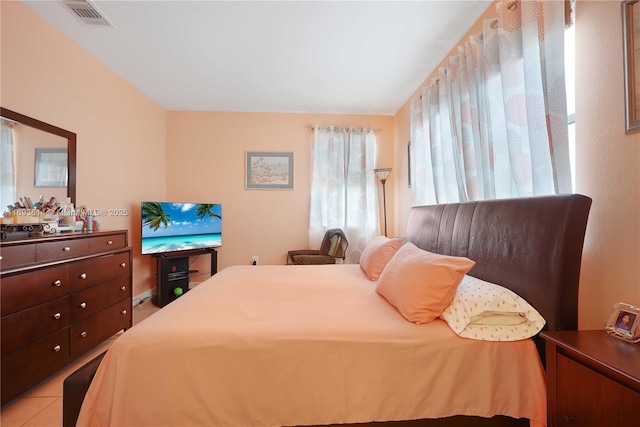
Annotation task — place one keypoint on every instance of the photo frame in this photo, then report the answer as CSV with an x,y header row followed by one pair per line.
x,y
51,167
631,44
624,322
267,170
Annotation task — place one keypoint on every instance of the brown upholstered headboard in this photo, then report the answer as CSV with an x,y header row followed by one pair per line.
x,y
532,246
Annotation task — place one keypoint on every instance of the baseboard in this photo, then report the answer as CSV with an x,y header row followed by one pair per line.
x,y
149,294
143,297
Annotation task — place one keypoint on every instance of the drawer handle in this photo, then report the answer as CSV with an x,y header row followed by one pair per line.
x,y
83,305
124,288
66,249
124,264
83,334
124,312
83,276
57,348
57,316
109,242
57,283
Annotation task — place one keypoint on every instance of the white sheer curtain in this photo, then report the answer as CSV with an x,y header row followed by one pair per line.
x,y
7,167
493,124
343,187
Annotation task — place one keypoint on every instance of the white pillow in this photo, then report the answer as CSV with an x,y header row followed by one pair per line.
x,y
485,311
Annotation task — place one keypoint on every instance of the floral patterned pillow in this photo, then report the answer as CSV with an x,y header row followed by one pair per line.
x,y
485,311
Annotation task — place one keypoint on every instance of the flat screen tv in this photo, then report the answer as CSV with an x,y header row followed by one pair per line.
x,y
174,227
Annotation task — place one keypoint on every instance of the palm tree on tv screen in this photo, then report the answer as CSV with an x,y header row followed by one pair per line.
x,y
204,209
154,216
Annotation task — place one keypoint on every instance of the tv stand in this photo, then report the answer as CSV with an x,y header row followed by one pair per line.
x,y
172,278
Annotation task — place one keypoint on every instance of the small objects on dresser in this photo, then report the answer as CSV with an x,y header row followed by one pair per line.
x,y
67,214
624,322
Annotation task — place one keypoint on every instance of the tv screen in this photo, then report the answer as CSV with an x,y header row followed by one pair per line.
x,y
173,227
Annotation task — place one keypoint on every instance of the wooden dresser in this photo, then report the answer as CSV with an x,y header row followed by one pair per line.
x,y
61,295
593,379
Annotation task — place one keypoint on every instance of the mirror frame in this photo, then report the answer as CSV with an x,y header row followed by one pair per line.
x,y
631,63
46,127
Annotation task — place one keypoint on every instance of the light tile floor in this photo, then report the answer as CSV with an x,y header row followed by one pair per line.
x,y
41,406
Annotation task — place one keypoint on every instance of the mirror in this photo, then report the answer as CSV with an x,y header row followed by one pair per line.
x,y
38,153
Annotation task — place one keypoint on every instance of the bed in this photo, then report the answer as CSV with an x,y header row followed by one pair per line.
x,y
318,345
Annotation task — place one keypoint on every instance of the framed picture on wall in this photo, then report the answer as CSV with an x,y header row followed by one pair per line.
x,y
51,168
631,44
266,170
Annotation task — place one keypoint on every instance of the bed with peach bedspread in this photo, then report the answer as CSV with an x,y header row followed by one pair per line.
x,y
316,345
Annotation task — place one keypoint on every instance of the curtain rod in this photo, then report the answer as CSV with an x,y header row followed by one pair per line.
x,y
344,127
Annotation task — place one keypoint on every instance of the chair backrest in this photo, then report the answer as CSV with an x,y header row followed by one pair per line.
x,y
334,243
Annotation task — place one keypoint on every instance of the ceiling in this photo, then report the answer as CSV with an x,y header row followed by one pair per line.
x,y
344,57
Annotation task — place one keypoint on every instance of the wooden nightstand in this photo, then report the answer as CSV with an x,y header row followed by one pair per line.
x,y
593,379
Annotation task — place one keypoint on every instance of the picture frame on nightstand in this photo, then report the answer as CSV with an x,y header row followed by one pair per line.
x,y
624,322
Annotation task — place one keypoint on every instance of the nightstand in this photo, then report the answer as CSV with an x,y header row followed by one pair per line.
x,y
593,379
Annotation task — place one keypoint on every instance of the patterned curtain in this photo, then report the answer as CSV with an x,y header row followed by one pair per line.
x,y
343,187
7,169
493,124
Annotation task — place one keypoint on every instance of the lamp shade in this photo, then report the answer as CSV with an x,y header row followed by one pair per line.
x,y
382,173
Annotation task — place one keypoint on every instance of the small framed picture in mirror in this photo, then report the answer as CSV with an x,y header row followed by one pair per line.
x,y
51,168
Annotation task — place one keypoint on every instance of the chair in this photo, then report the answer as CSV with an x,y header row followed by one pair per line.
x,y
334,245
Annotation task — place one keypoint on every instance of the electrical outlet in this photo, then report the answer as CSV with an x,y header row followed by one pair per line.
x,y
254,260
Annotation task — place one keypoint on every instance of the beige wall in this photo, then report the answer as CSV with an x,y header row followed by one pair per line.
x,y
121,147
607,170
608,165
206,162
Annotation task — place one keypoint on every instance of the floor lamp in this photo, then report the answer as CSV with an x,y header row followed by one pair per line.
x,y
382,174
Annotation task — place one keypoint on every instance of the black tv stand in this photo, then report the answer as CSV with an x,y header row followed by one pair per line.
x,y
172,278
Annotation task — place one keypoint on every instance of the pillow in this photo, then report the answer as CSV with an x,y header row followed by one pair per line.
x,y
377,254
420,284
486,311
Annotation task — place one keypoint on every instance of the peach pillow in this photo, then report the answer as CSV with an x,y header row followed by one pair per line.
x,y
421,284
377,254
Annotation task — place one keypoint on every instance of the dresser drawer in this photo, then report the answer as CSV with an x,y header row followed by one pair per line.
x,y
92,330
107,243
91,300
49,276
13,256
84,274
25,290
586,397
26,326
26,367
51,251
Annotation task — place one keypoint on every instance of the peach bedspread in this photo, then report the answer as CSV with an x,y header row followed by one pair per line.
x,y
303,345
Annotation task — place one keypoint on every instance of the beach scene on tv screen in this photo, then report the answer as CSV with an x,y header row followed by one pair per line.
x,y
170,227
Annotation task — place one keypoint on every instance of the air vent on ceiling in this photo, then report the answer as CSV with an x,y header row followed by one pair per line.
x,y
87,12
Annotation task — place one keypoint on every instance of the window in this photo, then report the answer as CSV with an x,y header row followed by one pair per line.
x,y
570,81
